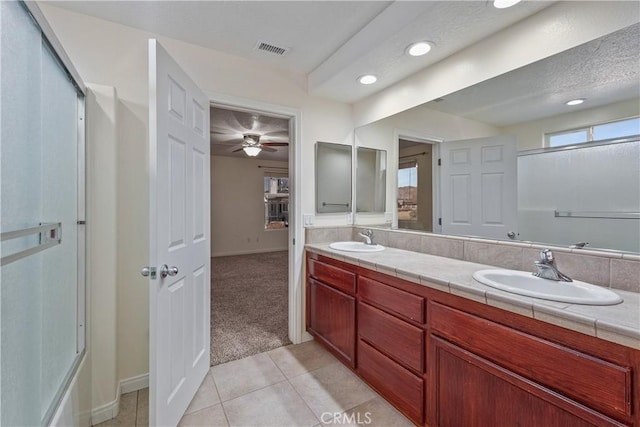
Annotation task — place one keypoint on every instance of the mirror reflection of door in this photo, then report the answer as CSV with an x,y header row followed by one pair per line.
x,y
415,198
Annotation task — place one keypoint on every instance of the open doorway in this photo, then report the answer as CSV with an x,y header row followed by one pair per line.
x,y
250,204
416,194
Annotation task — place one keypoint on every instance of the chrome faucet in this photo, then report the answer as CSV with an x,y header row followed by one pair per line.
x,y
547,268
368,236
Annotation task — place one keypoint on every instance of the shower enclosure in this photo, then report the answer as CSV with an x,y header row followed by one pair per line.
x,y
42,310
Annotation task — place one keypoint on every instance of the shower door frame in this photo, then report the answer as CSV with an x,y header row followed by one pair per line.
x,y
59,53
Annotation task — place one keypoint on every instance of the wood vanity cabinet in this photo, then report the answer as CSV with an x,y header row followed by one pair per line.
x,y
444,360
391,344
331,308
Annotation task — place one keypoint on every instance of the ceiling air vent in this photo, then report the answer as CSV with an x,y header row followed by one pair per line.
x,y
271,48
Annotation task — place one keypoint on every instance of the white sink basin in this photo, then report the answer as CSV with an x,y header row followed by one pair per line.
x,y
523,283
356,247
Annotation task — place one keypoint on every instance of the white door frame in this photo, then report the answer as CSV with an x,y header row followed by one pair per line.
x,y
296,231
434,141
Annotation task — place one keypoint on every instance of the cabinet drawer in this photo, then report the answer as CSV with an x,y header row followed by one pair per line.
x,y
398,385
400,303
398,339
334,276
591,381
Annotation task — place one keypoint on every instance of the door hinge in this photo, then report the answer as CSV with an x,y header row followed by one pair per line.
x,y
439,221
439,162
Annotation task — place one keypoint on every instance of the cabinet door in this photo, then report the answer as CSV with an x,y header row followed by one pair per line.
x,y
332,319
395,383
471,391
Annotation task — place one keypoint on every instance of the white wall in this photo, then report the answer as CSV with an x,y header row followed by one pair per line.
x,y
237,207
115,55
102,138
530,135
552,30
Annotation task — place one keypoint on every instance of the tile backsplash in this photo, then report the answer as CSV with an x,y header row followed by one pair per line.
x,y
608,269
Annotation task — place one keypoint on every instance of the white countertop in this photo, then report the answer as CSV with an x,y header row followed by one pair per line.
x,y
618,323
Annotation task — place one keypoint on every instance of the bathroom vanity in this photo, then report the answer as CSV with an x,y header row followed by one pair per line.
x,y
452,360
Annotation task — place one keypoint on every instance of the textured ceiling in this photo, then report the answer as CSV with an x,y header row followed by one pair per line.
x,y
229,126
313,30
380,46
331,42
603,71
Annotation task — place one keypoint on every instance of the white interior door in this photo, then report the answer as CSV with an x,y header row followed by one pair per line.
x,y
179,237
479,186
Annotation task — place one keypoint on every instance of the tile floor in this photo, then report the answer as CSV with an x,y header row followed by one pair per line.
x,y
297,385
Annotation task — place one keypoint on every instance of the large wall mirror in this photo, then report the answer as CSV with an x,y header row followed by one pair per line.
x,y
516,162
371,180
333,178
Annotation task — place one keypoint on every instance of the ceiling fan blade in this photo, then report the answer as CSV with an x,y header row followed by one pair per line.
x,y
275,144
267,138
227,139
235,148
268,150
284,134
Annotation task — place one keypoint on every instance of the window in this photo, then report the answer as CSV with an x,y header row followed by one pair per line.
x,y
408,191
617,129
276,202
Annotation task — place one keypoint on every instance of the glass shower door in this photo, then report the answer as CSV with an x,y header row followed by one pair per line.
x,y
39,215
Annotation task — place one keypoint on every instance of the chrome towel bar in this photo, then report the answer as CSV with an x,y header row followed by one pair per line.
x,y
50,234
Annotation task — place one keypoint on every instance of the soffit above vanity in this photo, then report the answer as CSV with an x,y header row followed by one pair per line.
x,y
330,43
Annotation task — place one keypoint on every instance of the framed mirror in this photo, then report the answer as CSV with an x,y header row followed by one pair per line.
x,y
371,180
333,178
575,167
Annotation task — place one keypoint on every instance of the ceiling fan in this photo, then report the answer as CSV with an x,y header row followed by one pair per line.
x,y
248,132
252,146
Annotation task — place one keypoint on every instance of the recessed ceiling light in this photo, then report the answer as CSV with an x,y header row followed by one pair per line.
x,y
419,48
367,79
575,101
503,4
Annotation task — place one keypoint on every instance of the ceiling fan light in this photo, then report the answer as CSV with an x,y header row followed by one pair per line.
x,y
252,151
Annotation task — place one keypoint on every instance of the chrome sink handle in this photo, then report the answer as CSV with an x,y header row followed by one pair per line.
x,y
546,257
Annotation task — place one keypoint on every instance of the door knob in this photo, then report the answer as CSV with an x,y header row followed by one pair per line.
x,y
165,271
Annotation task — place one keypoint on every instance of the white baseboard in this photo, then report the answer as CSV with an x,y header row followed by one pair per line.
x,y
134,383
105,412
247,252
110,410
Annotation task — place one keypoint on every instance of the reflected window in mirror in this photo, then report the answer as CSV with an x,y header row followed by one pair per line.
x,y
408,191
415,198
597,132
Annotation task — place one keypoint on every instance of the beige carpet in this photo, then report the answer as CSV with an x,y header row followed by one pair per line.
x,y
249,302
